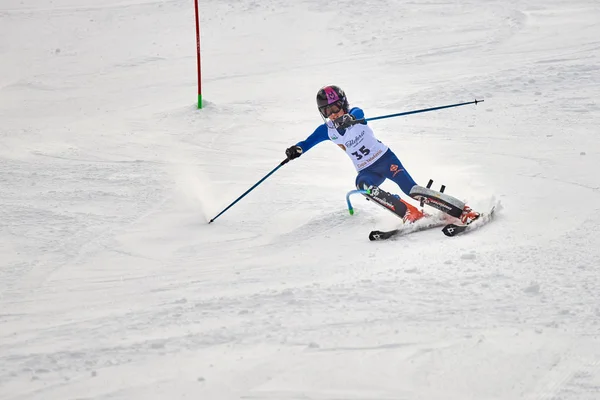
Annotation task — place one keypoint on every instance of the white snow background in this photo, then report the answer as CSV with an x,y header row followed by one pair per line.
x,y
113,285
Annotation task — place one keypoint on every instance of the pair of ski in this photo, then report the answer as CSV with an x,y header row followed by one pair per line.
x,y
430,222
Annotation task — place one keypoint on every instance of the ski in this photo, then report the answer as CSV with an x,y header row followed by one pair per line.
x,y
458,229
424,224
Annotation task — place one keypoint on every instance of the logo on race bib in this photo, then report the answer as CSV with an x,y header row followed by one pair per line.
x,y
356,140
369,160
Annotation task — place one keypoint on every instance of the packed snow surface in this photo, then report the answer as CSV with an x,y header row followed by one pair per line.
x,y
113,285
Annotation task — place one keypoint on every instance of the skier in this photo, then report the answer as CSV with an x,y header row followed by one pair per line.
x,y
373,160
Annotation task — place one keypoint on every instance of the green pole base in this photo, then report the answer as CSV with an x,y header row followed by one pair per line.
x,y
199,101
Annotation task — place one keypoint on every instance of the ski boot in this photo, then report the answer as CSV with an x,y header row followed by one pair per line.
x,y
413,214
468,215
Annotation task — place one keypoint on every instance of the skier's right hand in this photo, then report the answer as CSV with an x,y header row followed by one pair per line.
x,y
345,121
293,152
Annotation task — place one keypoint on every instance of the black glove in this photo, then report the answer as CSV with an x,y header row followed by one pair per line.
x,y
293,152
344,122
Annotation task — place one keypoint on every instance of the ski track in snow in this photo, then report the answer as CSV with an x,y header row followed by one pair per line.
x,y
113,286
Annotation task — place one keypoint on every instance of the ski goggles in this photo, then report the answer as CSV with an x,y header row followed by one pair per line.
x,y
329,109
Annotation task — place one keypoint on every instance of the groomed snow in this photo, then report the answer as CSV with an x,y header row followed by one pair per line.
x,y
113,285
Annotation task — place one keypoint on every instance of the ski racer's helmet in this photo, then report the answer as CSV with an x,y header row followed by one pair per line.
x,y
331,95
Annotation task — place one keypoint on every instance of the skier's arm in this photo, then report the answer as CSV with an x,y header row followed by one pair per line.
x,y
318,136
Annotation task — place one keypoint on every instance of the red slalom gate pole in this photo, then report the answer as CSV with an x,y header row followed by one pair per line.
x,y
198,54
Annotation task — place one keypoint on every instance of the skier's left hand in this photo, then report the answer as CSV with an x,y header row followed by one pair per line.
x,y
344,122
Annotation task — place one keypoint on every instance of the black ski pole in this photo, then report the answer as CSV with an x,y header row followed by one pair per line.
x,y
419,111
252,188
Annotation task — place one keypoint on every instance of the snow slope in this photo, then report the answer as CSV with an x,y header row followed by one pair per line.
x,y
113,285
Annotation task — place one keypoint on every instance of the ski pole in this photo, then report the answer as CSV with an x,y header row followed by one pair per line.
x,y
419,111
252,188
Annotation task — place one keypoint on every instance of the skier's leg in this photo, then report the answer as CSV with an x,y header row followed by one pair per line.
x,y
391,167
440,201
395,171
369,179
